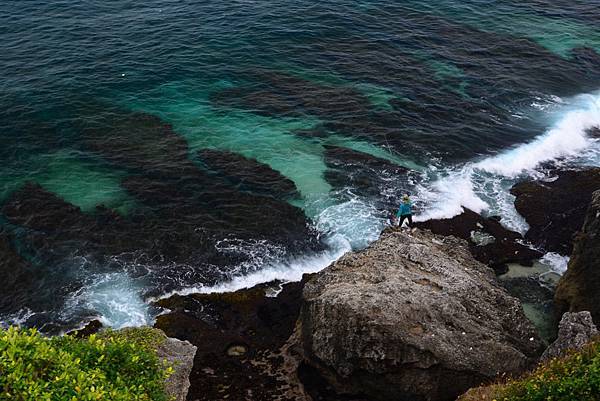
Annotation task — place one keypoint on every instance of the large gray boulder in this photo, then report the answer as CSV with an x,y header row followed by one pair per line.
x,y
574,331
413,317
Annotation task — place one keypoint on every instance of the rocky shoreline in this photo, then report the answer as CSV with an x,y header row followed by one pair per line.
x,y
418,315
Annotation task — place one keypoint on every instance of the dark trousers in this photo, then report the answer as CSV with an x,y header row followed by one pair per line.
x,y
405,216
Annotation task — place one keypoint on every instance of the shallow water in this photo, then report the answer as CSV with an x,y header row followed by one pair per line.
x,y
468,96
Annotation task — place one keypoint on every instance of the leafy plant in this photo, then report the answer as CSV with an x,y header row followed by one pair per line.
x,y
116,366
575,377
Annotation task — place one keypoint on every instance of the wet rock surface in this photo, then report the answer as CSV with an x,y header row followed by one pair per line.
x,y
579,288
90,328
413,317
505,248
241,339
249,174
574,331
555,210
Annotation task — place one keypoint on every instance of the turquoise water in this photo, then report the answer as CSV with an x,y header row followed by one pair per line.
x,y
466,96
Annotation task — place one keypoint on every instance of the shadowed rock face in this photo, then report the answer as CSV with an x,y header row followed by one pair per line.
x,y
505,248
413,317
180,355
555,210
240,338
249,174
579,288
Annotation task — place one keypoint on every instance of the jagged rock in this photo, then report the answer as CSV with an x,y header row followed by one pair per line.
x,y
175,353
555,210
241,339
90,328
574,331
180,355
579,288
504,249
413,317
249,174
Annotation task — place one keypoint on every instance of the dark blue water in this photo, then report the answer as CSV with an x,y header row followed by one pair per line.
x,y
107,109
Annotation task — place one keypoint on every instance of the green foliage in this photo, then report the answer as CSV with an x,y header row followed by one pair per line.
x,y
116,366
146,337
575,377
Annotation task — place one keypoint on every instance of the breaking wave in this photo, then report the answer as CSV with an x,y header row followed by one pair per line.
x,y
483,186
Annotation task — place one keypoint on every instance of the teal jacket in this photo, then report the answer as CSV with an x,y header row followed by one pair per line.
x,y
404,209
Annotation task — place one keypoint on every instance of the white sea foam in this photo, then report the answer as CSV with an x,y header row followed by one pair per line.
x,y
286,271
447,196
477,186
116,298
347,225
557,263
566,138
483,185
17,319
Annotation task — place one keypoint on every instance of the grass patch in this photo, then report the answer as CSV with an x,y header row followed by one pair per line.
x,y
574,377
113,365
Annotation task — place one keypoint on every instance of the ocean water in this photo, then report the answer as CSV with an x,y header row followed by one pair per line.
x,y
112,104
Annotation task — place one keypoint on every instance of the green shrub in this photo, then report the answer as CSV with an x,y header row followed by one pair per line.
x,y
575,377
119,366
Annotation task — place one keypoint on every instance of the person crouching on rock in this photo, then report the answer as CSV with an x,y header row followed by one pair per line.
x,y
405,211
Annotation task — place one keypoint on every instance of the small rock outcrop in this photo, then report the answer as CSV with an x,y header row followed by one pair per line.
x,y
489,241
574,331
180,355
555,210
579,288
413,317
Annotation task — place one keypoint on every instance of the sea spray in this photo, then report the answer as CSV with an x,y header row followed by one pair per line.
x,y
567,138
346,226
483,186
